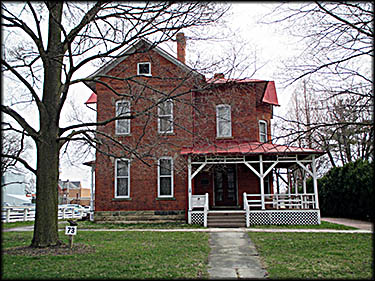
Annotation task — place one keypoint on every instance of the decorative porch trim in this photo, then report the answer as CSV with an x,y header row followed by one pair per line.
x,y
279,217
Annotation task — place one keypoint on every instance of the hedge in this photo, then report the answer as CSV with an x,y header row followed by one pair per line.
x,y
347,191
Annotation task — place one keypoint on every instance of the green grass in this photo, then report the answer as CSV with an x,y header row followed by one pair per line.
x,y
315,255
322,225
118,255
16,224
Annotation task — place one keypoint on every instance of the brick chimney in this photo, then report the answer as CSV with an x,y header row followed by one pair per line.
x,y
181,46
219,76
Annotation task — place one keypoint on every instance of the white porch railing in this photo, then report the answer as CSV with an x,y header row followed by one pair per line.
x,y
15,213
247,209
280,201
281,209
199,202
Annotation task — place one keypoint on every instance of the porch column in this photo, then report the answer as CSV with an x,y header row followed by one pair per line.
x,y
261,180
189,189
313,166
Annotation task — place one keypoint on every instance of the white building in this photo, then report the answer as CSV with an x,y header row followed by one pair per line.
x,y
13,189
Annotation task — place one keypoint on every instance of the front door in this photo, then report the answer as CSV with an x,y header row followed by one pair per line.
x,y
225,185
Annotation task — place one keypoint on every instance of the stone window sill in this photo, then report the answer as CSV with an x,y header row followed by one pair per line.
x,y
121,199
165,198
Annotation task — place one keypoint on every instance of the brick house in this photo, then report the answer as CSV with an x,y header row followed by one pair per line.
x,y
71,192
202,148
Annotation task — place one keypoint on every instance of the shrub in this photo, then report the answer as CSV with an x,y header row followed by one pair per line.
x,y
347,191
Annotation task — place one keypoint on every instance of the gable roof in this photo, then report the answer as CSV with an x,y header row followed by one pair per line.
x,y
269,94
131,50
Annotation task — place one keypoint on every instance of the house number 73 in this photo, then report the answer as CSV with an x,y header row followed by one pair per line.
x,y
70,230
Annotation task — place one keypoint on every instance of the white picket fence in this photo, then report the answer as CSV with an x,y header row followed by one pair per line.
x,y
16,213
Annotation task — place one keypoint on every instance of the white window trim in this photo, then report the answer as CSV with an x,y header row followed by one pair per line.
x,y
217,120
260,132
166,115
171,176
143,74
122,196
127,120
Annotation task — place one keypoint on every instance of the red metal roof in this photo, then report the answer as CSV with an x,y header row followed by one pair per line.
x,y
247,148
270,95
231,80
92,99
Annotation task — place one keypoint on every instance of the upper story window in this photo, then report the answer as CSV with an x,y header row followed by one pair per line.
x,y
122,125
144,68
223,121
165,177
122,178
262,131
165,114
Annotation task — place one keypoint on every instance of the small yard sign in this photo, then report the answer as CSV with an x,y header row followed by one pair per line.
x,y
70,230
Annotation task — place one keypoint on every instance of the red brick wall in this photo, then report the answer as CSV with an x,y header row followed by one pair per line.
x,y
246,111
143,92
144,137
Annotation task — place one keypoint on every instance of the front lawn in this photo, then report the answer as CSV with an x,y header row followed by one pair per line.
x,y
315,255
120,255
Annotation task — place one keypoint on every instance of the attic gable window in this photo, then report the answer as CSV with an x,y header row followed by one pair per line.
x,y
144,68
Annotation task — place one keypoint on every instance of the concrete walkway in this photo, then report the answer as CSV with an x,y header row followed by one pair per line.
x,y
363,225
233,256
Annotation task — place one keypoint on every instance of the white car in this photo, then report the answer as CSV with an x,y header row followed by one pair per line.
x,y
76,207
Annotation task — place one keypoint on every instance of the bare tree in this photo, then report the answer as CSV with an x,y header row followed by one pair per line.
x,y
59,41
335,41
338,125
13,147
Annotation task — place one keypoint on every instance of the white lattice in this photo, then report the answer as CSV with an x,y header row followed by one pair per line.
x,y
297,217
197,218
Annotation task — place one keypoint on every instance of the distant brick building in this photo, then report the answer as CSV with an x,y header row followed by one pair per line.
x,y
194,136
71,192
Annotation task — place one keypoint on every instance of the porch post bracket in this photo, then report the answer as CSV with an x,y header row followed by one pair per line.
x,y
270,168
253,169
198,170
307,170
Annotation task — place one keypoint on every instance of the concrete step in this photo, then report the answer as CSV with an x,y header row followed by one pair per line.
x,y
226,219
219,219
226,224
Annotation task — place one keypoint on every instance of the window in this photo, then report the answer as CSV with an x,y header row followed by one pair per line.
x,y
165,113
144,68
122,178
223,121
122,125
262,131
165,177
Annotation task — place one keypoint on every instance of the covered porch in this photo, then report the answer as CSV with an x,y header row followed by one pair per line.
x,y
264,183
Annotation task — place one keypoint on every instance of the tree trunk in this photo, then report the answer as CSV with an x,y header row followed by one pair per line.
x,y
46,220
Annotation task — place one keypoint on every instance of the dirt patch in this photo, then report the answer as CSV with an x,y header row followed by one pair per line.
x,y
54,251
